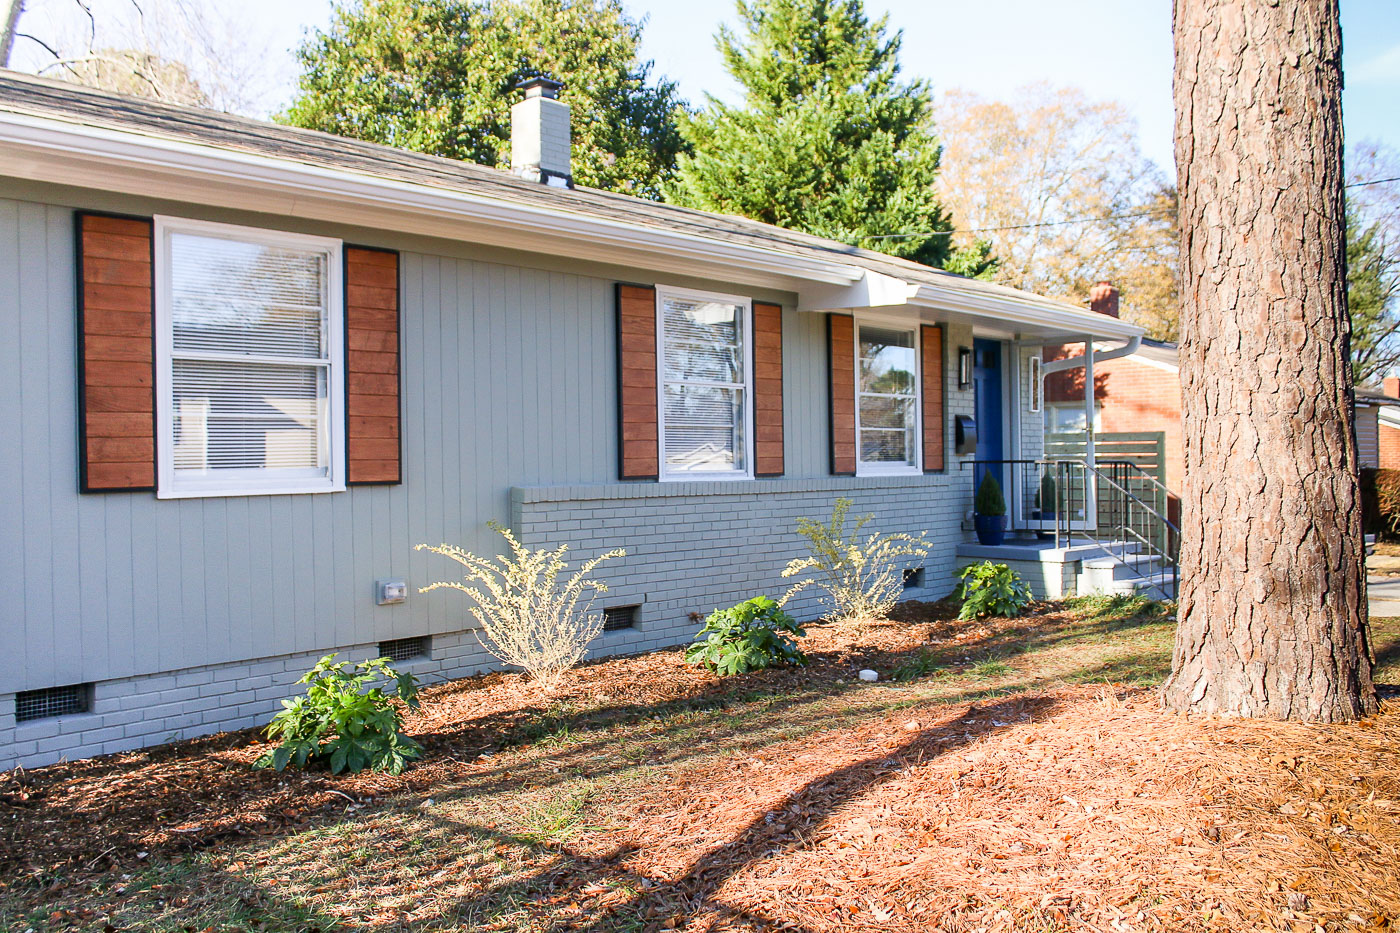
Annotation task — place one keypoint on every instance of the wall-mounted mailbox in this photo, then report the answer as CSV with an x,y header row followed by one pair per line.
x,y
965,434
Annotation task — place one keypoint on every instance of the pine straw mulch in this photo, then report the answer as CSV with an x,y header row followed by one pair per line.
x,y
1034,806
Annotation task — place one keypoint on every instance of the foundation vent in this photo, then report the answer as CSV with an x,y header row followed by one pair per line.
x,y
405,649
52,702
616,618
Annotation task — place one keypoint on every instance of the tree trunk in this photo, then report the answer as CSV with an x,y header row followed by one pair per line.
x,y
1272,615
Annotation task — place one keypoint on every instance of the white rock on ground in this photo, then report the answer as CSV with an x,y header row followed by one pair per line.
x,y
869,675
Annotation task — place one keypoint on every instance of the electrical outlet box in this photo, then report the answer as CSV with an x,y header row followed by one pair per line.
x,y
389,592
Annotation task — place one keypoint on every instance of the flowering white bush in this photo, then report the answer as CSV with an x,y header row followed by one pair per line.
x,y
862,578
528,619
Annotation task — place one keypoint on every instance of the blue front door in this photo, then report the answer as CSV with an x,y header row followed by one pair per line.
x,y
986,384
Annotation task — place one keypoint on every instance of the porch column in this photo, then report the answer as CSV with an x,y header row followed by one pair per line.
x,y
1089,402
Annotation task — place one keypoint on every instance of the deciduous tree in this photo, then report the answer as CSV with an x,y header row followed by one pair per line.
x,y
1058,186
1272,614
439,76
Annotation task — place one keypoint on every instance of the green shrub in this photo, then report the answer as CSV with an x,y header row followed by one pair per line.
x,y
1380,503
1047,499
989,500
747,637
528,618
862,577
989,589
340,722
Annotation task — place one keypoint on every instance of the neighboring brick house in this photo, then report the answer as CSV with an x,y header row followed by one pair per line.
x,y
1388,427
1136,393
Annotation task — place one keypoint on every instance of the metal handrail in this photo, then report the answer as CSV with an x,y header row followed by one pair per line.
x,y
1126,529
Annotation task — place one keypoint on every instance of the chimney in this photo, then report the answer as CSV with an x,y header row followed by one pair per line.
x,y
1390,385
1103,299
540,140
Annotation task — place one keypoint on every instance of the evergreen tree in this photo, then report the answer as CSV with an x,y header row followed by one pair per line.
x,y
1373,299
829,140
439,76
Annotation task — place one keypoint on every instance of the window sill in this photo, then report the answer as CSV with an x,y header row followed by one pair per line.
x,y
250,489
868,470
704,477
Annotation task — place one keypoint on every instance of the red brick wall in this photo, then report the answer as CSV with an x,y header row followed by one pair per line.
x,y
1134,396
1389,447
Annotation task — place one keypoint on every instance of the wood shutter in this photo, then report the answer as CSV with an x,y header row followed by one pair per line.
x,y
841,352
116,354
638,441
768,389
372,421
931,342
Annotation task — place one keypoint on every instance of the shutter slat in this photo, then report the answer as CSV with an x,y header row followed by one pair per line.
x,y
768,389
116,444
638,443
931,339
373,454
842,355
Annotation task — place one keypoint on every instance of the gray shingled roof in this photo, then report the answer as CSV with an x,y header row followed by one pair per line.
x,y
41,97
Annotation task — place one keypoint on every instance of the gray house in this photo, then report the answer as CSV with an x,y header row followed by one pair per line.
x,y
248,367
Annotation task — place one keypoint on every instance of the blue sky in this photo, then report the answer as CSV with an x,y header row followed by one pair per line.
x,y
1113,49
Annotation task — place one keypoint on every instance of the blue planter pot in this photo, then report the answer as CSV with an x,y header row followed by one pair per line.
x,y
991,529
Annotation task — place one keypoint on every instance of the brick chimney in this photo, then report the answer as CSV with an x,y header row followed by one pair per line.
x,y
540,137
1103,299
1390,385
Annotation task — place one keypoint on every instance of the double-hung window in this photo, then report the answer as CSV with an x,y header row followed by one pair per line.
x,y
249,361
705,385
887,399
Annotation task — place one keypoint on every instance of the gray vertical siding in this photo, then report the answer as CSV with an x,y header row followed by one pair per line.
x,y
508,381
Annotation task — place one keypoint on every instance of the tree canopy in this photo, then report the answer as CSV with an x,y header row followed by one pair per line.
x,y
439,76
829,140
1058,185
1373,260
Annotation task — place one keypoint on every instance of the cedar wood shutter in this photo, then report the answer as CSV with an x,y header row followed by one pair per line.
x,y
638,442
372,451
931,340
768,389
841,351
116,354
116,358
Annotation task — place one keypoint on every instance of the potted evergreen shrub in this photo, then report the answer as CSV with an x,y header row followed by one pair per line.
x,y
989,511
1046,503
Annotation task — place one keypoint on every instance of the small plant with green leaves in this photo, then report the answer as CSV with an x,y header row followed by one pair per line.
x,y
751,636
862,577
989,589
1047,499
344,721
529,617
989,500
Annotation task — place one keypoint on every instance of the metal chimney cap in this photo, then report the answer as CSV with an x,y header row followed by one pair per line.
x,y
540,86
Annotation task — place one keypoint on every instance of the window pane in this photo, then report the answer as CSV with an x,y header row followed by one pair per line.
x,y
883,445
247,298
703,340
887,362
245,416
704,428
877,411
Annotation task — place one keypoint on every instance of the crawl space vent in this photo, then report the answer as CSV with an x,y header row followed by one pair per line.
x,y
913,578
404,649
51,702
619,617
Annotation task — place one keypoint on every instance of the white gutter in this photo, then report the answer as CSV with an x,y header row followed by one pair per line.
x,y
59,152
1099,356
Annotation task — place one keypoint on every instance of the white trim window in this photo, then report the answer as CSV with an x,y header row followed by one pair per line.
x,y
887,398
249,361
705,385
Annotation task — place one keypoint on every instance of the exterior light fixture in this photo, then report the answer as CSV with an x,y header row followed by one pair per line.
x,y
964,367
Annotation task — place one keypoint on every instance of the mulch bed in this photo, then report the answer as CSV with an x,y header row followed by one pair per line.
x,y
117,811
1084,807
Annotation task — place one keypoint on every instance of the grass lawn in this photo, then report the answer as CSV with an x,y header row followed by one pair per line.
x,y
1007,775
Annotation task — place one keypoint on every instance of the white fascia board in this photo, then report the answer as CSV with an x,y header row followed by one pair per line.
x,y
1025,309
62,152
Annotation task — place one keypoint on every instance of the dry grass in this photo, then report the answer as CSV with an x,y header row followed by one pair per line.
x,y
1019,777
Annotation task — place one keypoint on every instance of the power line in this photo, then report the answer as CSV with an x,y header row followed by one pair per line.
x,y
1048,223
1076,220
1373,181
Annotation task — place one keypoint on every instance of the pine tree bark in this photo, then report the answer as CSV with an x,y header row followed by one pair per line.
x,y
1272,612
